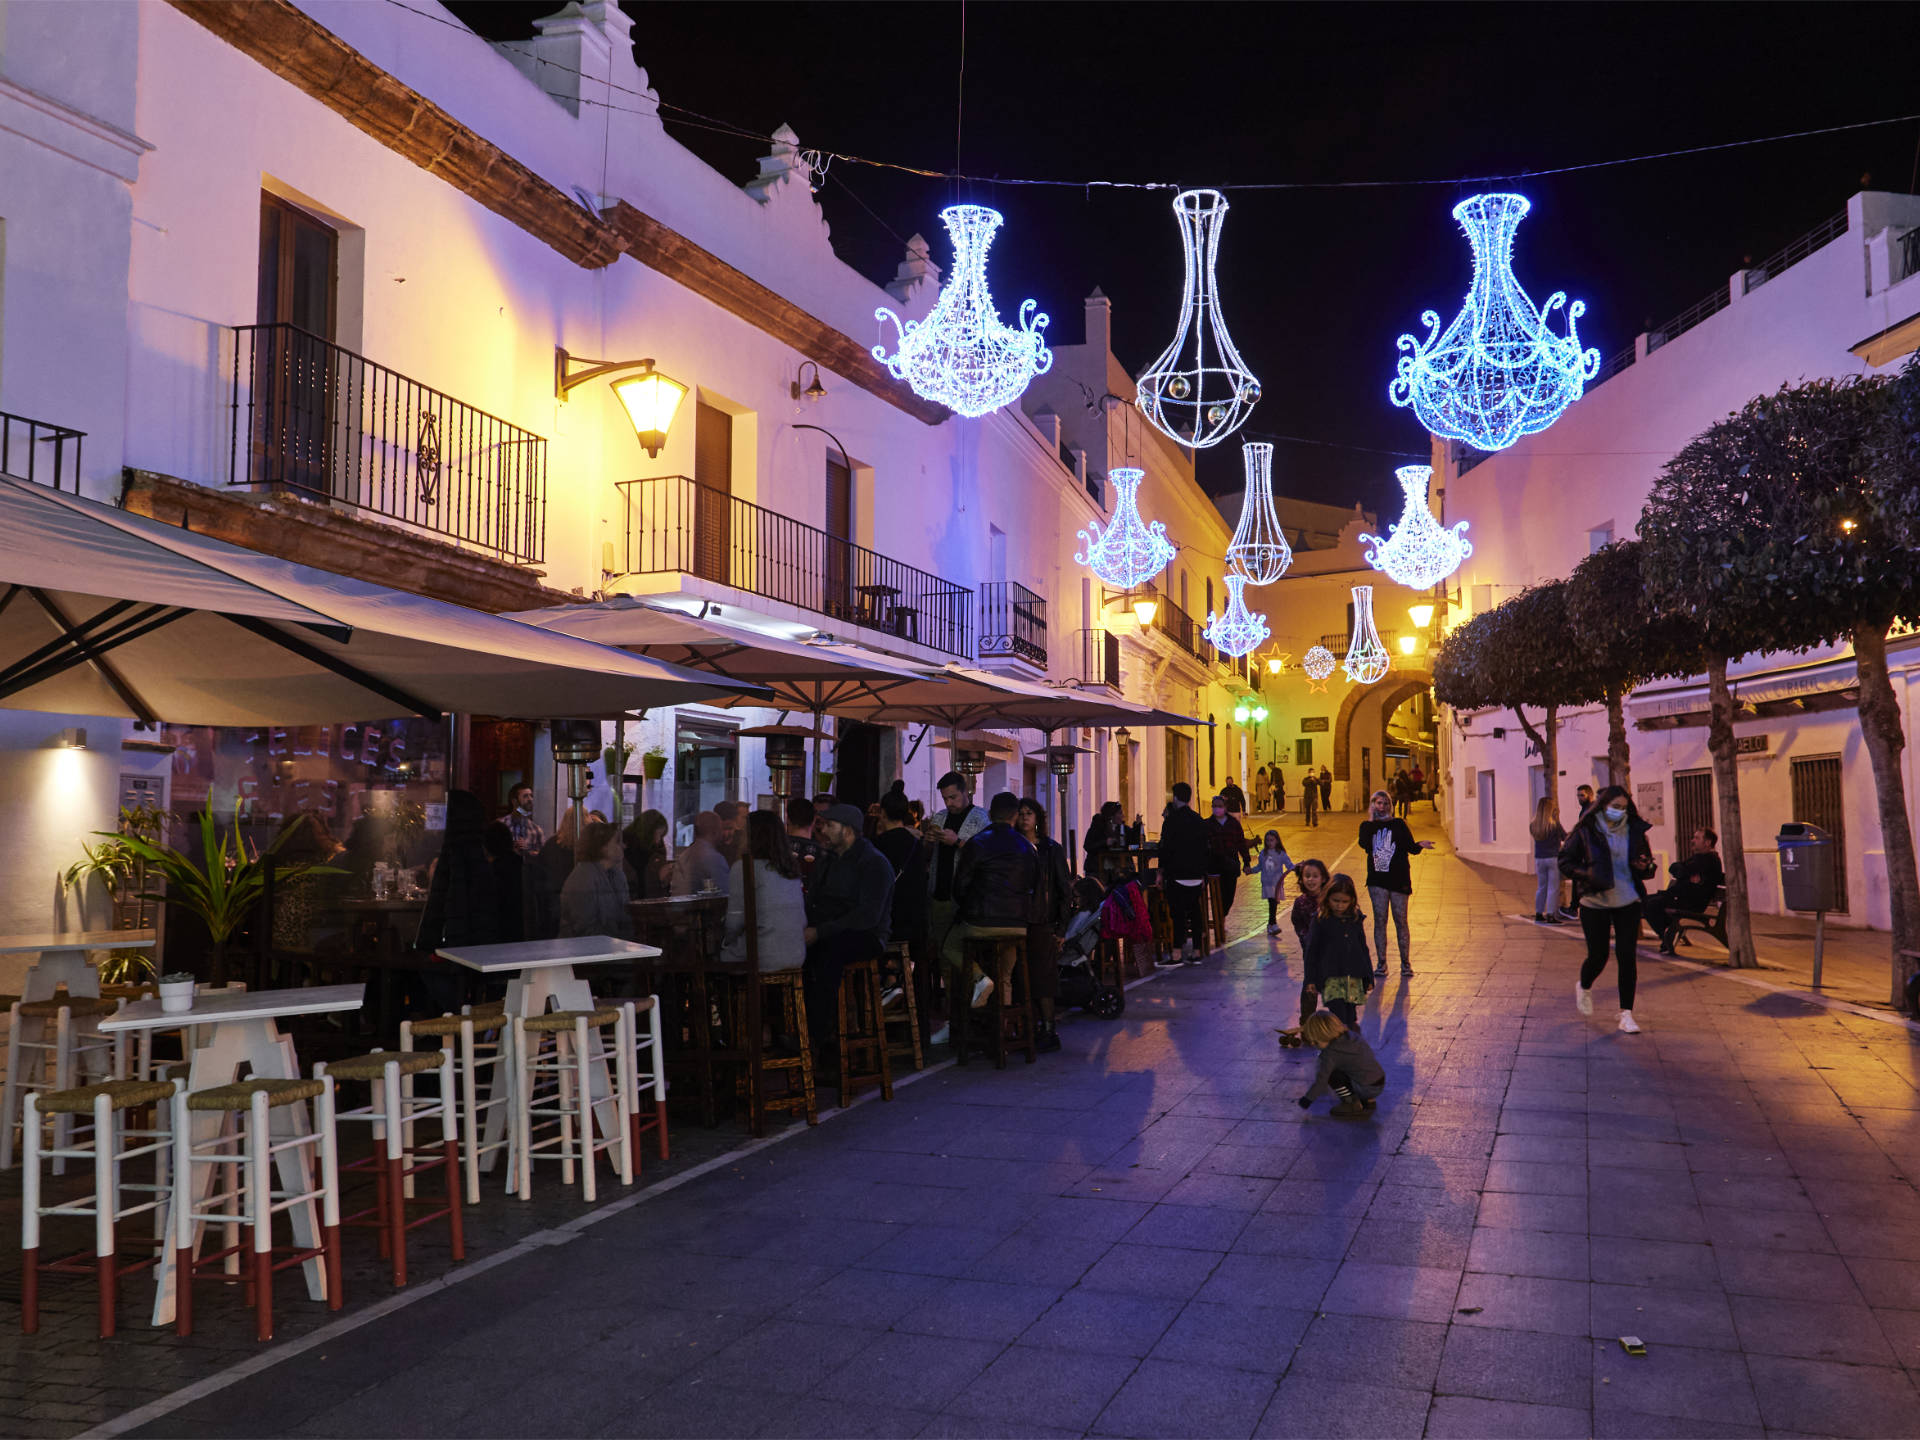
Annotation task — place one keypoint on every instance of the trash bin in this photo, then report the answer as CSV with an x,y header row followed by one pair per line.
x,y
1806,867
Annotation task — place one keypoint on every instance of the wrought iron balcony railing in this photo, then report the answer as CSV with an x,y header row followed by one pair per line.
x,y
35,451
1013,622
674,525
1100,658
332,425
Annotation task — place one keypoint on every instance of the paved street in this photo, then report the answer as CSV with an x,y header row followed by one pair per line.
x,y
1143,1236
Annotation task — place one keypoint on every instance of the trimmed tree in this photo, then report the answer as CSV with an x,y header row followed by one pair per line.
x,y
1768,533
1624,641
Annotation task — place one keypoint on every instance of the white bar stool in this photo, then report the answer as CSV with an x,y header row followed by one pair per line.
x,y
482,1043
35,1062
643,1073
108,1145
559,1055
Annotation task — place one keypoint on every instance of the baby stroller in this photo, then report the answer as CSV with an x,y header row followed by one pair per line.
x,y
1080,982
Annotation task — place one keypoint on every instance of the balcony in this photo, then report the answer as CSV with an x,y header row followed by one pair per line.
x,y
310,417
676,526
1100,658
40,453
1013,623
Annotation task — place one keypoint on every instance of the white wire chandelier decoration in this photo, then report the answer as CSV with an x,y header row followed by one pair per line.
x,y
1367,659
1199,391
961,356
1129,551
1236,631
1318,664
1259,548
1498,372
1418,552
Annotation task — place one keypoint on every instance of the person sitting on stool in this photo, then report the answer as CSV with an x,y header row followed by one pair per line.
x,y
993,884
849,904
1695,879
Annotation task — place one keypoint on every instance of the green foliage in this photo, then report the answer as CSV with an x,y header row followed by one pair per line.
x,y
1522,652
1790,522
224,884
1625,640
1459,668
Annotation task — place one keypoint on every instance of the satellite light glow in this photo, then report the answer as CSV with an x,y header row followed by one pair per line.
x,y
1497,372
1418,552
1236,631
1367,659
1199,391
1259,548
1128,552
961,356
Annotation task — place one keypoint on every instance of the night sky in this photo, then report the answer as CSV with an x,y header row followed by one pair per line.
x,y
1316,284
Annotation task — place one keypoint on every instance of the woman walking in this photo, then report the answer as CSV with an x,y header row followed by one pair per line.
x,y
1548,836
1609,855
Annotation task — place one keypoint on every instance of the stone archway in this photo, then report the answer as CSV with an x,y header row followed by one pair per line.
x,y
1388,695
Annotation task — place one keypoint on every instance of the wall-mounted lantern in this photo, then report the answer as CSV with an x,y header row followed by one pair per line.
x,y
650,397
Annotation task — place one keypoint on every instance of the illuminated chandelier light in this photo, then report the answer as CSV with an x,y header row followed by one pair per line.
x,y
961,356
1199,391
1498,372
1367,659
1129,552
1236,631
1418,552
1259,548
1318,664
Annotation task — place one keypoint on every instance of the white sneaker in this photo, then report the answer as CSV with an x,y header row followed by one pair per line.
x,y
938,1037
891,997
1627,1027
983,988
1583,997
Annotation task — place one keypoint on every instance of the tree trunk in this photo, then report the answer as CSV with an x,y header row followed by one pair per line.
x,y
1619,759
1880,728
1726,785
1548,745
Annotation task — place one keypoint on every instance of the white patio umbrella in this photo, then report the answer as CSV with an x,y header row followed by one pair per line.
x,y
103,612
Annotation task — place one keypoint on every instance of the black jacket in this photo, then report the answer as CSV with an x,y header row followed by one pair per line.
x,y
851,892
1338,947
907,854
1695,879
1588,856
463,899
994,879
1053,887
1186,845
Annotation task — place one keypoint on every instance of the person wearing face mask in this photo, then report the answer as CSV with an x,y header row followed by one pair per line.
x,y
1387,843
528,837
1608,855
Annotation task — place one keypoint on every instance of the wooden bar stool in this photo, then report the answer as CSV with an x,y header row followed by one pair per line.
x,y
35,1062
1161,919
481,1040
114,1141
250,1148
900,1005
643,1072
557,1056
393,1110
1001,951
785,1009
863,1032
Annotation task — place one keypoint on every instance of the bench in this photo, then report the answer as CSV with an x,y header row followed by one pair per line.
x,y
1709,920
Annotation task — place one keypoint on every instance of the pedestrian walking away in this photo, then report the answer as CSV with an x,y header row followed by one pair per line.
x,y
1186,859
1388,844
1326,788
1608,854
1348,1069
1310,799
1279,791
1548,836
1337,968
1231,851
1273,866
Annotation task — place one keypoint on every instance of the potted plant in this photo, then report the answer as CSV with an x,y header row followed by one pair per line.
x,y
223,884
176,991
654,762
124,875
616,757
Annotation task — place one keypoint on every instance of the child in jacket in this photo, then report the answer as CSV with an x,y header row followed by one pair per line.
x,y
1348,1069
1339,967
1274,863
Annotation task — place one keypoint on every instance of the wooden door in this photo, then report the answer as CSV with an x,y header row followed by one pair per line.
x,y
294,390
713,496
838,572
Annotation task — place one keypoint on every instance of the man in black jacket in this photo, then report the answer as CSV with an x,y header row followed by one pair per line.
x,y
993,884
848,913
1186,860
1695,880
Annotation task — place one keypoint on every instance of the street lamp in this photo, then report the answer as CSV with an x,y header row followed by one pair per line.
x,y
650,397
1422,614
1407,643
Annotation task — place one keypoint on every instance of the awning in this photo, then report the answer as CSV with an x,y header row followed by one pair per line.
x,y
103,612
1819,685
973,698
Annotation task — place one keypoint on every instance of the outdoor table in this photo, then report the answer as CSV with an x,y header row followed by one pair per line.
x,y
542,971
875,599
63,958
230,1030
395,922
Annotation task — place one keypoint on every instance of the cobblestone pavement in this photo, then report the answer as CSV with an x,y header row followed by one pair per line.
x,y
1142,1235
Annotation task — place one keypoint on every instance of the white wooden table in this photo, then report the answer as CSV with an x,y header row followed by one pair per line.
x,y
232,1030
63,958
542,972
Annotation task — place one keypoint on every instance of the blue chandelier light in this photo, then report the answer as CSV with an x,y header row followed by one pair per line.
x,y
1367,659
1418,552
1129,552
1199,391
1498,372
961,356
1236,631
1259,548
